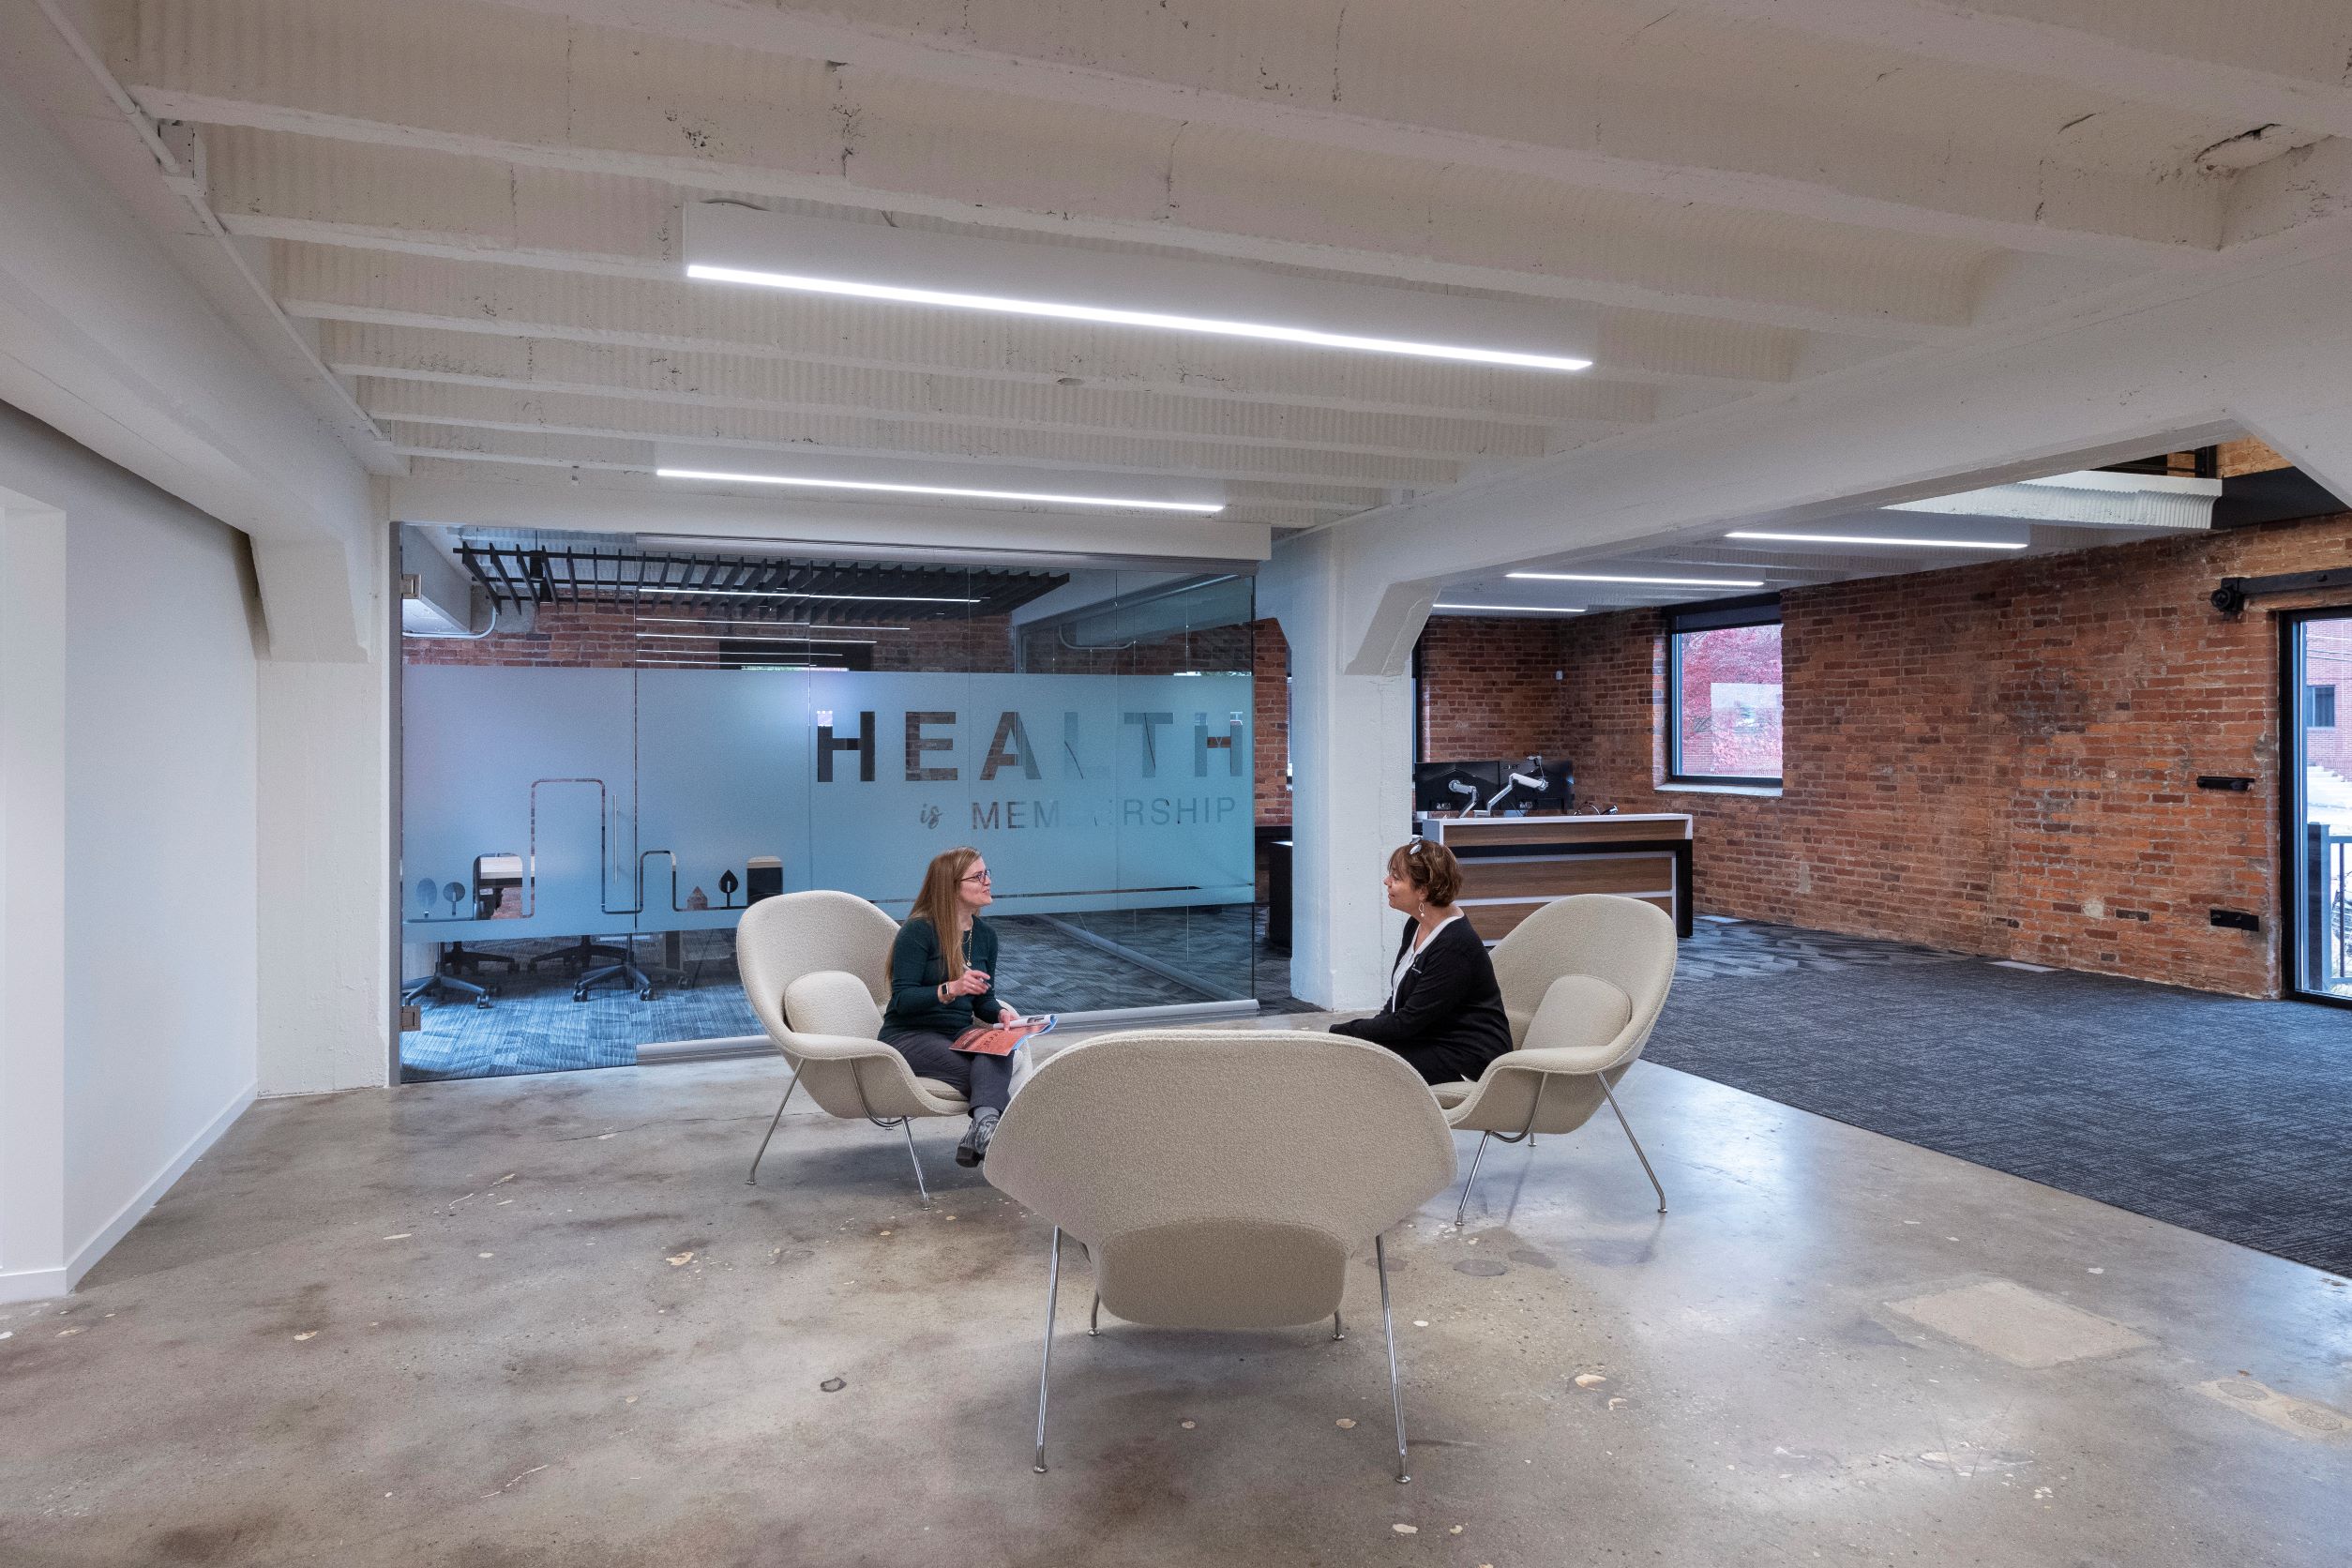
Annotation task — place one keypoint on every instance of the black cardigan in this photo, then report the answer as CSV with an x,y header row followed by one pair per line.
x,y
1448,999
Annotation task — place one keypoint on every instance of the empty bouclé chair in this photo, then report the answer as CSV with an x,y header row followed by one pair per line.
x,y
1222,1180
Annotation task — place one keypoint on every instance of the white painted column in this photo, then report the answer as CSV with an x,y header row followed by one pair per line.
x,y
1351,773
32,900
326,938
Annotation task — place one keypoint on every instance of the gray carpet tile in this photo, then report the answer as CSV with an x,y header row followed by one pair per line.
x,y
2228,1117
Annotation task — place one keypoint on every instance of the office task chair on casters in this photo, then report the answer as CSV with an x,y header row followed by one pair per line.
x,y
624,969
446,980
816,968
1222,1181
1583,979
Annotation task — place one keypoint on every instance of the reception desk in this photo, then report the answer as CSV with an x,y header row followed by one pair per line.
x,y
1513,865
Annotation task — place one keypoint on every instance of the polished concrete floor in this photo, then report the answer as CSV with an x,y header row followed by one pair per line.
x,y
544,1321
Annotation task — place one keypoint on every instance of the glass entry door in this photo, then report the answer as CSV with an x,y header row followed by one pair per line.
x,y
2318,677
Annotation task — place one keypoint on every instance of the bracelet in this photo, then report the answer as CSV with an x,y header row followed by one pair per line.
x,y
940,990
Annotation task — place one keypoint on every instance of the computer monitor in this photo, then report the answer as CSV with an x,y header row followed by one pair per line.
x,y
1559,787
1434,785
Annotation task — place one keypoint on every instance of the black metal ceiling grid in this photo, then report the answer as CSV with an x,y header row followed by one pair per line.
x,y
820,593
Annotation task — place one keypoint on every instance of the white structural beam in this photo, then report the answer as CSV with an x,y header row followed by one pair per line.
x,y
425,498
1521,91
335,284
565,414
912,398
101,336
1460,229
448,453
2264,350
2255,62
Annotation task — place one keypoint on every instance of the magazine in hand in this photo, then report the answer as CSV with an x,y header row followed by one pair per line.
x,y
1002,1039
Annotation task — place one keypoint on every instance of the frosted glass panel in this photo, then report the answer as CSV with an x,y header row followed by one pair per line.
x,y
595,791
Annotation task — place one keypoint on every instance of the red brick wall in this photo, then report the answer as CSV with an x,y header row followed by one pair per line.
x,y
1272,687
1998,758
1487,691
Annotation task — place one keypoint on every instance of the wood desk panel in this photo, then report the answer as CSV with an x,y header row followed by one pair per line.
x,y
1554,878
1514,866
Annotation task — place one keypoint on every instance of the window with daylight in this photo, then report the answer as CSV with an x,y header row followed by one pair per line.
x,y
2322,708
1724,693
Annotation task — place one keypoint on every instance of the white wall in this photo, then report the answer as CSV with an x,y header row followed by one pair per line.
x,y
159,907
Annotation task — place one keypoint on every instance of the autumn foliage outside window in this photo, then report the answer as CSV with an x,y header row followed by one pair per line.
x,y
1724,723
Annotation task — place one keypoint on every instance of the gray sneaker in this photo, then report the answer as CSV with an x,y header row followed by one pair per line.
x,y
974,1147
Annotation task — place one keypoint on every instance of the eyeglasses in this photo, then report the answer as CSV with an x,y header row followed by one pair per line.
x,y
975,876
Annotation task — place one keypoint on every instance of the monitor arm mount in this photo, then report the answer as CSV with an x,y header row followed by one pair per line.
x,y
1516,781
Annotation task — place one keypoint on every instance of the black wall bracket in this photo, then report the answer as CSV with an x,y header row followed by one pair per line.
x,y
2231,596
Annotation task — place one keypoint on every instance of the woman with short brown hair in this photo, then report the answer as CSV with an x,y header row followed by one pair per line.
x,y
1444,1012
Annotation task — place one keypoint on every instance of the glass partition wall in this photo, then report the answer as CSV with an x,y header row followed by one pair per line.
x,y
609,750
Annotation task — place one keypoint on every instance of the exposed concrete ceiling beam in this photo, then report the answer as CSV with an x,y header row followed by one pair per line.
x,y
330,284
560,463
1558,114
1459,229
718,381
2183,361
433,497
1646,348
2257,62
104,337
482,408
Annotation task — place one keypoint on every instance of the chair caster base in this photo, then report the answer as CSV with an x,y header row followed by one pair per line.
x,y
645,995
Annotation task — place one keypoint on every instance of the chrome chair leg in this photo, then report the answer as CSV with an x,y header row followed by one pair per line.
x,y
1337,1331
1395,1392
753,1180
1636,1143
1462,1208
906,1126
1044,1367
1094,1317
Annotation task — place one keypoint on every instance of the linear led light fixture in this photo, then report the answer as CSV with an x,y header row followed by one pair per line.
x,y
738,637
1112,316
1200,508
784,594
1877,539
1517,609
1651,582
738,621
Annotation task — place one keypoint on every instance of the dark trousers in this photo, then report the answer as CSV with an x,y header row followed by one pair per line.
x,y
1444,1064
987,1081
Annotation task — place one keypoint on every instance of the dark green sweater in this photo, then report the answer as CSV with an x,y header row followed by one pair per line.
x,y
917,970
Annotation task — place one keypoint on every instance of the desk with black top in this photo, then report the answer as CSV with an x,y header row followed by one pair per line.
x,y
1514,866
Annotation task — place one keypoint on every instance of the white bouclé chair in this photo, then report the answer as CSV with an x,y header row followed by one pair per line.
x,y
1583,979
1221,1180
816,968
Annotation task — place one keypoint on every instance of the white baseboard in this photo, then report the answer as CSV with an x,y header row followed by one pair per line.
x,y
33,1284
136,1209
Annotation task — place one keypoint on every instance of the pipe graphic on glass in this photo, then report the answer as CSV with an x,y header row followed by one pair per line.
x,y
455,891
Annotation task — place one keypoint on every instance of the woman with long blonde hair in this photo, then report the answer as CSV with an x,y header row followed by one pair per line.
x,y
941,978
